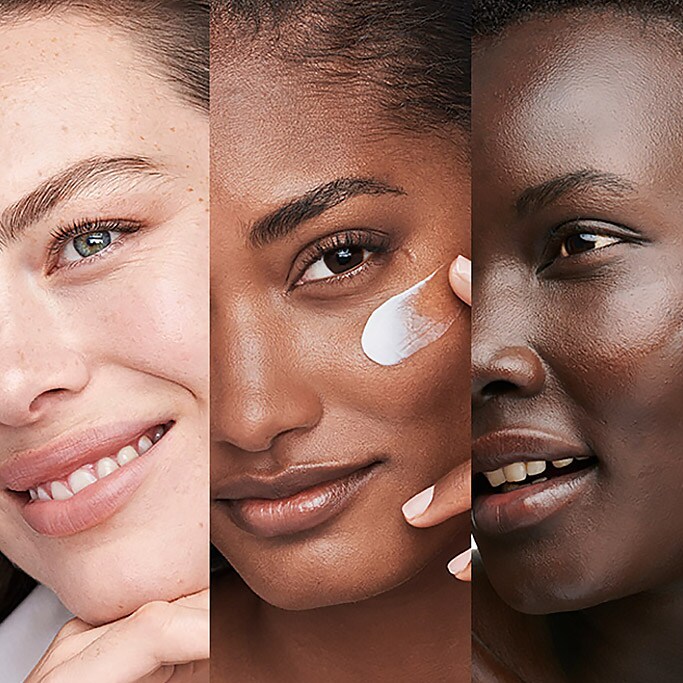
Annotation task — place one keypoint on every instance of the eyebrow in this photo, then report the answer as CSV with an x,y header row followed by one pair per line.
x,y
540,196
67,184
286,218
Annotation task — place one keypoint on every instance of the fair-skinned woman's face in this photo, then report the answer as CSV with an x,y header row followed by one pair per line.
x,y
302,253
103,205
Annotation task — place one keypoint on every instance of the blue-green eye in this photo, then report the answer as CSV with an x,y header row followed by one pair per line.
x,y
585,241
88,244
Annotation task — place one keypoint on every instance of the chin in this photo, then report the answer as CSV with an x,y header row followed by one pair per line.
x,y
324,572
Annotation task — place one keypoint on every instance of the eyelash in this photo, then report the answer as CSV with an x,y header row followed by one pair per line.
x,y
379,244
560,234
62,236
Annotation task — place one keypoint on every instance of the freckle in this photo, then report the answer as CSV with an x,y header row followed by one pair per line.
x,y
190,189
172,130
200,200
65,129
142,137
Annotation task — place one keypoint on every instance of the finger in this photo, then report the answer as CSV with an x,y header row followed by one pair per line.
x,y
460,276
158,634
450,496
461,566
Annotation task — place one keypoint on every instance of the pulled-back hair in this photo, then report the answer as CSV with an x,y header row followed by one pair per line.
x,y
173,35
412,56
491,17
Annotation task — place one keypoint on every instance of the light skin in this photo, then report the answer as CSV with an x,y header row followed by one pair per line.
x,y
318,399
579,293
91,341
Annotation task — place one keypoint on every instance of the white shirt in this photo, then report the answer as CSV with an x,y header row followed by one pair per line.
x,y
28,631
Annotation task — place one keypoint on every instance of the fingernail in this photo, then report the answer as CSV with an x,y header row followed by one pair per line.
x,y
458,564
463,268
418,504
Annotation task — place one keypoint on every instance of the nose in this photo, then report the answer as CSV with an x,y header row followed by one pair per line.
x,y
504,360
39,367
259,390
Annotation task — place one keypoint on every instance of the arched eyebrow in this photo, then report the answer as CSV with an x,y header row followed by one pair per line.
x,y
72,181
286,218
539,196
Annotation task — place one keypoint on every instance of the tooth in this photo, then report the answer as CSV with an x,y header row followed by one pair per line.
x,y
60,492
125,455
496,478
43,494
584,457
535,466
563,463
158,433
515,472
144,444
81,479
33,494
105,467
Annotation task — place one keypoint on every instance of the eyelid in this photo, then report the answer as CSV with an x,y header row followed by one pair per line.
x,y
558,233
366,238
61,236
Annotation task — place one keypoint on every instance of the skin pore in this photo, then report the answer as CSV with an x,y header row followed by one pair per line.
x,y
94,143
577,331
291,386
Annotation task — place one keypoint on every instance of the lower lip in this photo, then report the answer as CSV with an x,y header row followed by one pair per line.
x,y
300,512
96,503
502,513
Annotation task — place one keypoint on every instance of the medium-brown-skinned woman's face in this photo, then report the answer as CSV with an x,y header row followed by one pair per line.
x,y
578,329
296,403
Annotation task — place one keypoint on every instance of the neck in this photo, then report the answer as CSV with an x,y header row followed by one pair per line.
x,y
418,631
633,639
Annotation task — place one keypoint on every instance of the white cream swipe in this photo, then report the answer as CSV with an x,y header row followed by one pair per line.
x,y
401,326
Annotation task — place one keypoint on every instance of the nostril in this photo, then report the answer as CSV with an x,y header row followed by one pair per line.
x,y
497,388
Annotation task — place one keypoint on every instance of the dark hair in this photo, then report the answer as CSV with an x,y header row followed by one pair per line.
x,y
413,55
491,17
174,33
14,587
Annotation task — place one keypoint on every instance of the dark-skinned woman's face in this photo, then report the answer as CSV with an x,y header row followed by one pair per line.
x,y
578,327
292,287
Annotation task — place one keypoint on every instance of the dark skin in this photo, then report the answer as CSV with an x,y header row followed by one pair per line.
x,y
364,595
580,134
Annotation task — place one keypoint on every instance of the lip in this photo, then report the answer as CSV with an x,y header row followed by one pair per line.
x,y
295,500
506,446
94,504
501,513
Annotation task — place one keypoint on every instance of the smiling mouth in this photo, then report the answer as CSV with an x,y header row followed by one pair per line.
x,y
66,487
526,474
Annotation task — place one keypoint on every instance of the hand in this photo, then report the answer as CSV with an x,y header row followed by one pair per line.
x,y
450,496
161,642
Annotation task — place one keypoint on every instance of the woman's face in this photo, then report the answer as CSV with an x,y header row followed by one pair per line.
x,y
296,402
104,323
578,331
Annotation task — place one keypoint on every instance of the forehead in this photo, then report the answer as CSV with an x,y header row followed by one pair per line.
x,y
72,90
579,91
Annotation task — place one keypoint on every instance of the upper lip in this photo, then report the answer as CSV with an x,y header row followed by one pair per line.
x,y
283,483
505,446
58,458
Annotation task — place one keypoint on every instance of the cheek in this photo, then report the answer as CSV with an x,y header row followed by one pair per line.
x,y
150,316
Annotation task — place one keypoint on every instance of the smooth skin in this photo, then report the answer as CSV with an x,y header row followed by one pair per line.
x,y
99,340
578,330
291,386
161,642
451,495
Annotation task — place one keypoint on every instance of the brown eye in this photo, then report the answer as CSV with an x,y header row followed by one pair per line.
x,y
336,262
344,259
583,242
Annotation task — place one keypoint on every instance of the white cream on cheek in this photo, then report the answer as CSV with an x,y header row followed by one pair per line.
x,y
404,324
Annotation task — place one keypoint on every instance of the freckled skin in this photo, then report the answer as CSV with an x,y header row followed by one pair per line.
x,y
593,344
291,385
123,339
